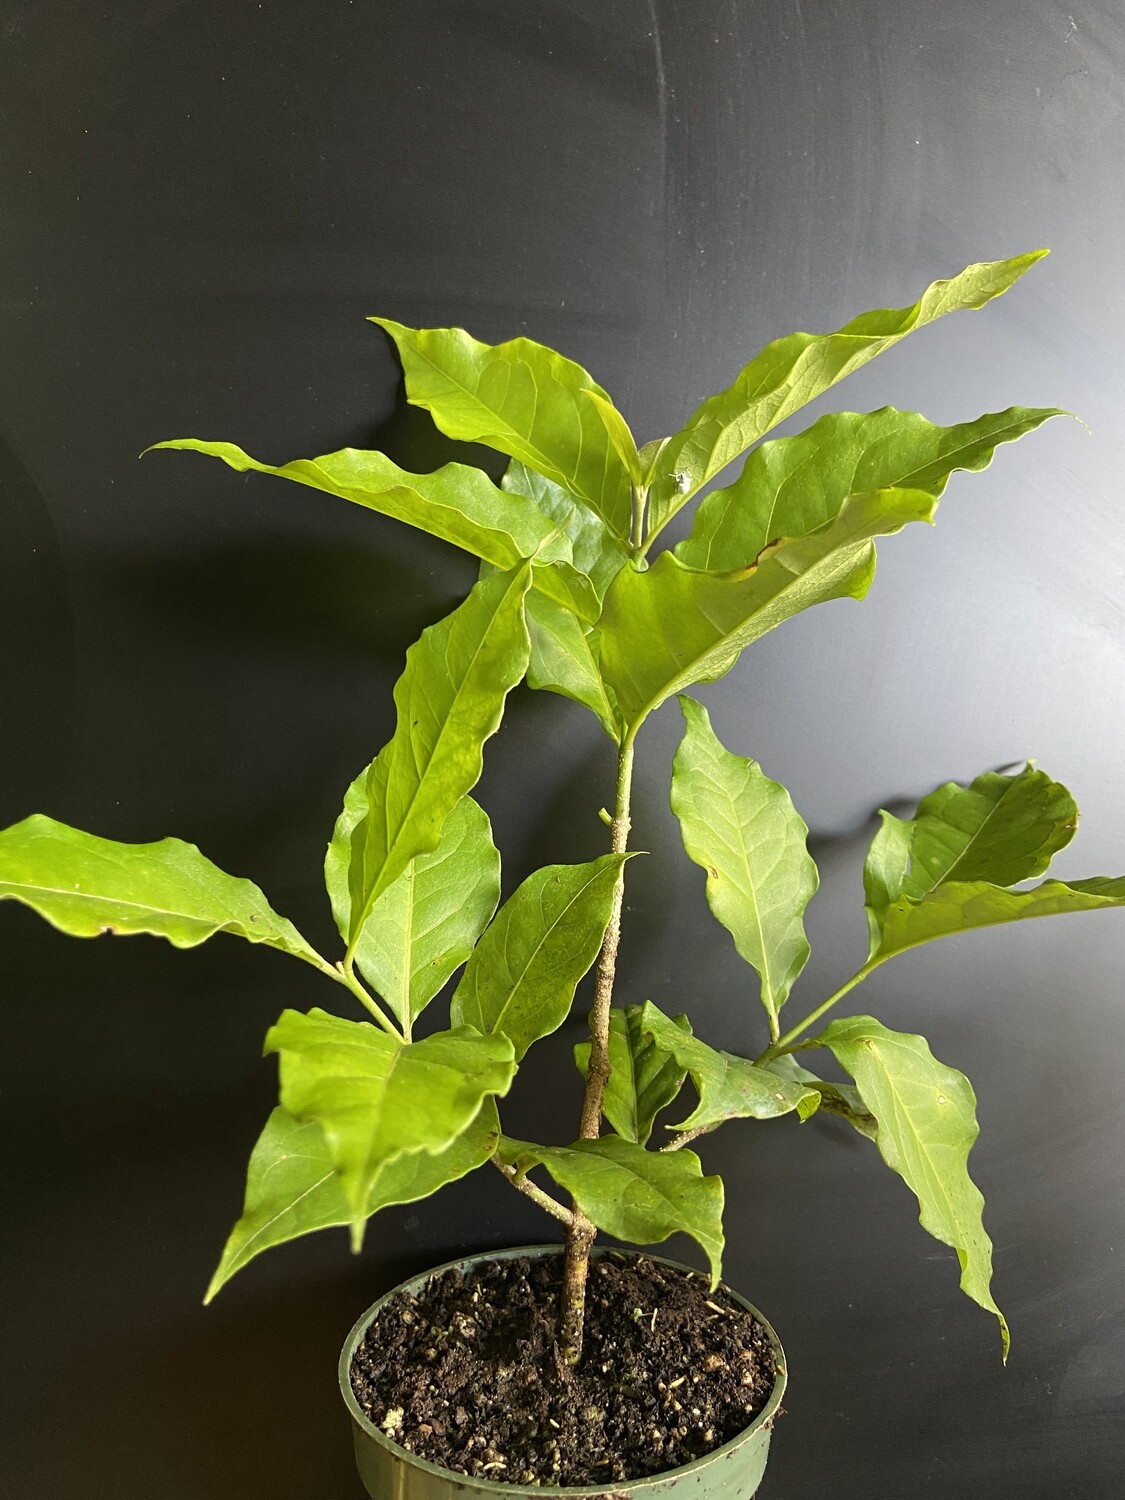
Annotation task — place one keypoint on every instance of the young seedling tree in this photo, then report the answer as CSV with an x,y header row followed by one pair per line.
x,y
574,596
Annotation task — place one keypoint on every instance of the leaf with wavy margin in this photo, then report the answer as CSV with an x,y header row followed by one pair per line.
x,y
792,371
292,1187
643,1079
926,1126
640,1196
426,922
522,398
1001,829
450,699
520,979
791,486
457,503
88,886
729,1087
743,829
664,629
961,905
376,1098
595,550
561,660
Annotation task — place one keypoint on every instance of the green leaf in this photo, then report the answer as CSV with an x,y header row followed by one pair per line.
x,y
835,1098
595,551
520,979
1001,829
668,627
743,829
617,430
792,371
87,886
564,585
643,1078
791,486
426,922
927,1124
562,661
640,1196
457,503
960,905
376,1098
292,1187
523,399
450,699
729,1087
945,870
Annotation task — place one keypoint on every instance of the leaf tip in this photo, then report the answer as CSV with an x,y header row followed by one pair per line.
x,y
216,1284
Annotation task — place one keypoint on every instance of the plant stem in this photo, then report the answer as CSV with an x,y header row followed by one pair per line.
x,y
580,1232
782,1044
636,538
536,1194
686,1137
346,975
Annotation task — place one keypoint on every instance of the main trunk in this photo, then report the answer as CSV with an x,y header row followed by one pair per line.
x,y
580,1234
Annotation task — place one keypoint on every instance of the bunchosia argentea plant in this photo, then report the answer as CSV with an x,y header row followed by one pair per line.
x,y
574,595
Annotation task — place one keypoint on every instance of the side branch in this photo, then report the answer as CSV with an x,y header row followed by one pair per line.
x,y
536,1194
686,1137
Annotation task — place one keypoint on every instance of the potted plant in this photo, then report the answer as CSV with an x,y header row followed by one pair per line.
x,y
513,1376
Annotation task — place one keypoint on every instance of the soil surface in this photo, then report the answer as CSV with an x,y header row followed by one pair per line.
x,y
465,1373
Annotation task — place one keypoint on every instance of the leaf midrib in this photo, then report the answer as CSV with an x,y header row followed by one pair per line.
x,y
571,480
538,948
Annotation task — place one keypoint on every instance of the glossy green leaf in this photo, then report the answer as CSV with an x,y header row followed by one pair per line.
x,y
945,870
457,503
792,371
926,1114
563,584
292,1187
426,922
643,1078
450,699
1001,829
640,1196
87,886
669,627
960,905
523,399
376,1098
729,1087
520,980
617,430
562,660
649,457
743,829
835,1098
595,550
791,486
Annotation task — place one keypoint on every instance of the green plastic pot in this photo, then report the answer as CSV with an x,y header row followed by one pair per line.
x,y
732,1472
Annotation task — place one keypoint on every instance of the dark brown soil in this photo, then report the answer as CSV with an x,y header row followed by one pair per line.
x,y
465,1373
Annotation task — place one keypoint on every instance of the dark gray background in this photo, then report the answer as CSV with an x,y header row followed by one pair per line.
x,y
202,201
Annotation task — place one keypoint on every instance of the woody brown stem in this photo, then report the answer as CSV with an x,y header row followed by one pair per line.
x,y
580,1233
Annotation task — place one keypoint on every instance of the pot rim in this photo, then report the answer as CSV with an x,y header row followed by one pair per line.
x,y
491,1487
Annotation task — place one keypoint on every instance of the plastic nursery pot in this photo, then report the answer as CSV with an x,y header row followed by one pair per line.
x,y
732,1472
